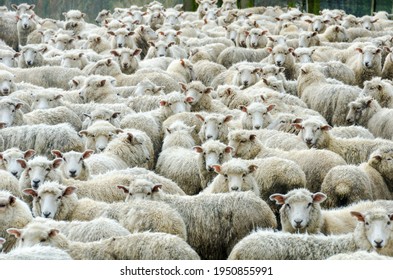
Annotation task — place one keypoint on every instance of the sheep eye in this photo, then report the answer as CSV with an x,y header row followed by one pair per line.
x,y
148,193
23,239
308,206
388,223
243,141
219,123
38,197
244,175
59,197
48,169
42,240
367,223
282,121
289,206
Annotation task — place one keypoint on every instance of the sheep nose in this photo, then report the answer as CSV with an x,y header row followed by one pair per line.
x,y
119,45
235,188
298,223
125,65
245,83
209,137
46,214
36,184
29,62
316,29
100,149
257,127
14,173
378,243
161,55
308,140
5,91
278,63
73,173
367,64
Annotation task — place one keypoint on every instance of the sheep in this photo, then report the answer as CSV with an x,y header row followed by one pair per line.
x,y
25,25
210,235
10,183
99,89
14,212
256,38
32,56
7,84
367,112
233,55
46,99
137,246
256,115
37,252
246,145
351,132
328,99
102,114
98,43
42,138
73,164
9,32
280,140
143,35
127,59
9,58
9,159
121,38
161,48
335,33
265,244
64,41
207,52
169,35
142,214
82,231
131,148
212,152
242,75
315,133
380,90
387,65
282,56
232,96
308,39
178,134
214,127
205,71
99,134
72,59
45,76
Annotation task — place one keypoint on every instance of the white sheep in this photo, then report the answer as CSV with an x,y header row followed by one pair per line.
x,y
256,115
7,84
264,244
9,159
214,127
25,25
9,57
105,114
73,164
178,134
233,55
36,252
381,90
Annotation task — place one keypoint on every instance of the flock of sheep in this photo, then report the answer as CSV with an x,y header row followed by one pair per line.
x,y
225,133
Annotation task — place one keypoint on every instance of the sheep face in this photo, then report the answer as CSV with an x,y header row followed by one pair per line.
x,y
26,21
148,33
213,154
245,76
46,100
8,112
256,115
231,33
357,109
8,58
138,189
64,42
305,39
283,122
72,60
298,206
177,104
10,160
318,24
311,131
279,54
39,170
242,144
127,59
172,20
370,56
376,227
121,38
73,162
237,175
32,235
29,54
98,141
213,127
275,84
382,161
6,83
148,88
6,201
257,38
229,5
367,22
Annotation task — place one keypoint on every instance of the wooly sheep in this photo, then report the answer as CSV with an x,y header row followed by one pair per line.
x,y
351,132
178,134
7,84
205,71
104,114
366,64
162,48
122,38
269,245
36,252
308,39
99,89
46,99
212,152
142,214
380,90
282,56
143,35
9,159
256,115
73,164
45,76
232,96
11,114
74,59
315,133
9,32
10,183
42,138
367,112
214,127
25,25
32,56
387,65
137,246
14,212
328,99
82,231
241,74
215,242
99,134
233,55
234,175
9,58
127,58
346,184
247,146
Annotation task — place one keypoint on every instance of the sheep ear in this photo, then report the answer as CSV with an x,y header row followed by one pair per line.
x,y
30,192
57,162
14,231
252,168
116,114
228,118
200,117
18,105
87,154
137,52
253,137
156,188
58,96
270,50
359,50
368,103
318,197
271,107
387,49
376,158
69,190
53,232
298,120
83,132
326,127
279,198
130,137
28,154
115,53
22,163
243,108
125,190
358,216
183,86
198,149
163,103
217,168
208,90
228,149
2,240
298,126
118,130
57,153
390,217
